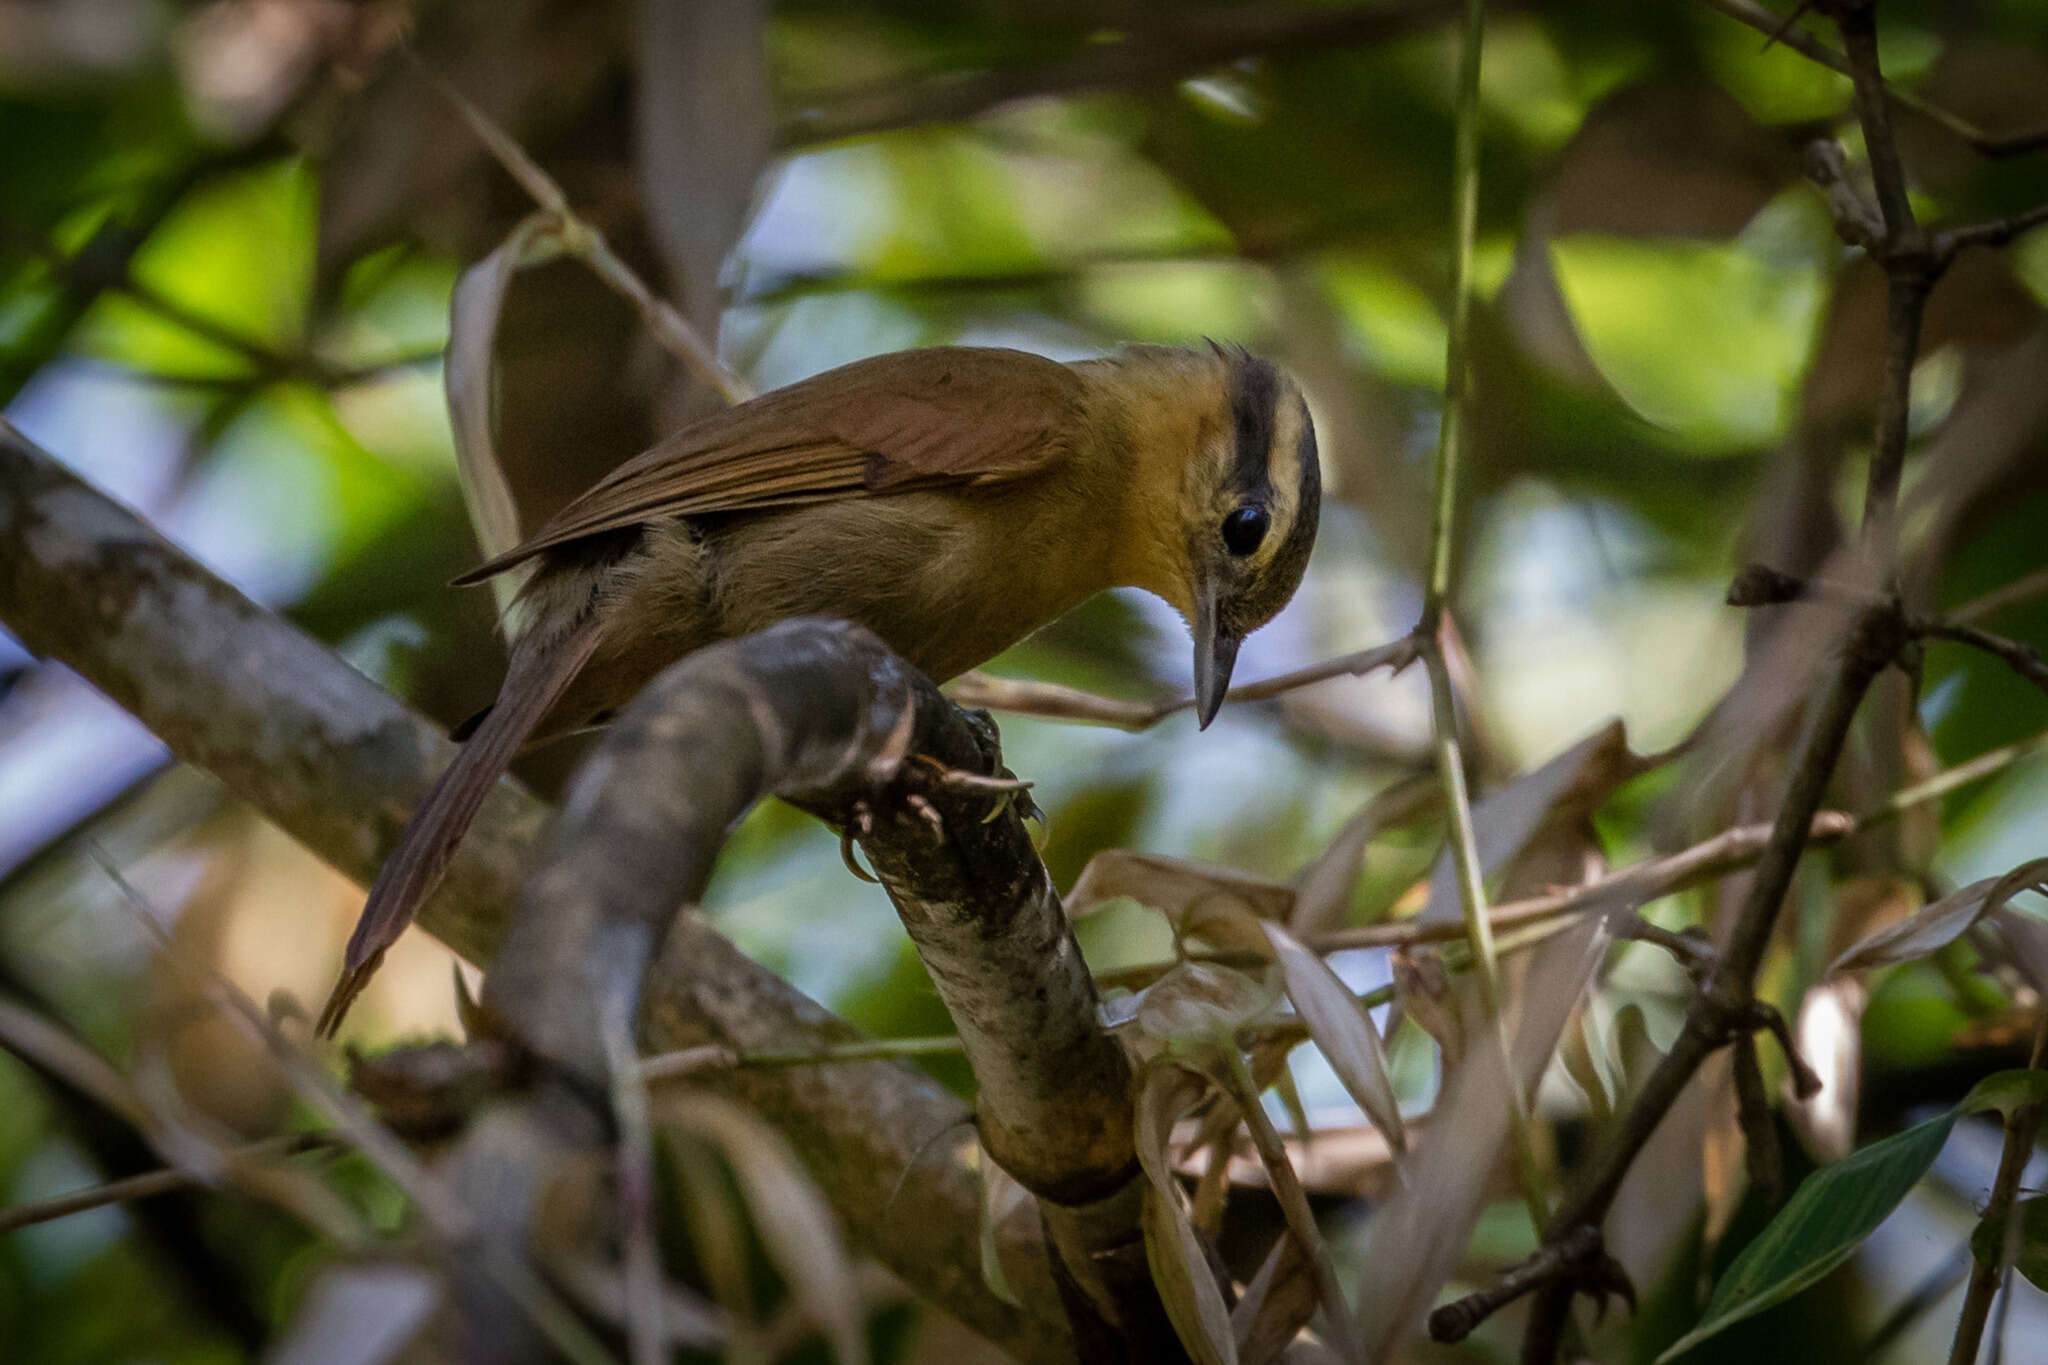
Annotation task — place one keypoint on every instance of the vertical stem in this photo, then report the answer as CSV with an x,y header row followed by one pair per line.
x,y
1905,302
1450,762
1293,1200
2022,1125
1465,227
1464,850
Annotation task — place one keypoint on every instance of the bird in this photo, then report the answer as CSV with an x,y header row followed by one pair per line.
x,y
951,499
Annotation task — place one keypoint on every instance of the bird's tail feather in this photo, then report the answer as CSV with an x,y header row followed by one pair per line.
x,y
539,673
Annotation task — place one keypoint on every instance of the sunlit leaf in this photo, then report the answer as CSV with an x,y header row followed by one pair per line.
x,y
1729,374
1343,1030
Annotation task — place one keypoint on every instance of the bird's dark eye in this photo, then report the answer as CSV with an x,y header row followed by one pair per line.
x,y
1244,529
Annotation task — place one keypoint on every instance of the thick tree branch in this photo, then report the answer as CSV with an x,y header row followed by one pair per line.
x,y
824,715
338,763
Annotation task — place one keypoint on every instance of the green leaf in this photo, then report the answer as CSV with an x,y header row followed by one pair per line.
x,y
2030,1257
2005,1091
1830,1213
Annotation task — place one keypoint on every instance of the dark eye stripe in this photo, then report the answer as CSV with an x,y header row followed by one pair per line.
x,y
1254,394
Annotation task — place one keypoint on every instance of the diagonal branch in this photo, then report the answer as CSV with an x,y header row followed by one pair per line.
x,y
1780,30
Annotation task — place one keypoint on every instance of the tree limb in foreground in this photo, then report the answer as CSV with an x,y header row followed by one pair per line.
x,y
338,763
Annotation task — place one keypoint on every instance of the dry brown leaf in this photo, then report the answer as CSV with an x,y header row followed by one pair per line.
x,y
1173,886
1417,1238
1422,990
1339,1026
1201,1003
1518,820
795,1224
1323,888
478,302
1276,1305
1187,1287
1936,926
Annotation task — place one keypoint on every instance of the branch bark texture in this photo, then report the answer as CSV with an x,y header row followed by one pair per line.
x,y
824,715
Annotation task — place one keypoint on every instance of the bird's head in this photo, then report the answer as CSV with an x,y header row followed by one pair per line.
x,y
1250,500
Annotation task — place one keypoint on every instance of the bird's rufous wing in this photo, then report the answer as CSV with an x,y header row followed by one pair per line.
x,y
911,419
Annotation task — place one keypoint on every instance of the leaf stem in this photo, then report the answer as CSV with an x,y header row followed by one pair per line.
x,y
2022,1125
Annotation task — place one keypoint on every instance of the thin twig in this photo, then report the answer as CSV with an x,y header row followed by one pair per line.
x,y
149,1183
1052,701
1995,232
2024,589
1774,26
2020,657
586,243
1436,620
1874,636
2021,1127
715,1057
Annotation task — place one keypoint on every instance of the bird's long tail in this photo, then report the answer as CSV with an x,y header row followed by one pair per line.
x,y
540,670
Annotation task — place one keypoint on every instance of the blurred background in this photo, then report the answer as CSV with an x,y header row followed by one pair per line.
x,y
228,237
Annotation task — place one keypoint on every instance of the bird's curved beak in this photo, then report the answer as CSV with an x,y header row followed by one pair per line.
x,y
1215,656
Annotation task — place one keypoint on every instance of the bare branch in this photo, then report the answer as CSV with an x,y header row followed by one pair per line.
x,y
2020,657
1996,232
1051,700
2013,594
580,239
1780,30
149,1183
822,714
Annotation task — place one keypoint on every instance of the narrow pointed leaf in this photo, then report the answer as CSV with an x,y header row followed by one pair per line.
x,y
795,1224
469,375
1187,1288
1826,1219
1936,926
1343,1030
